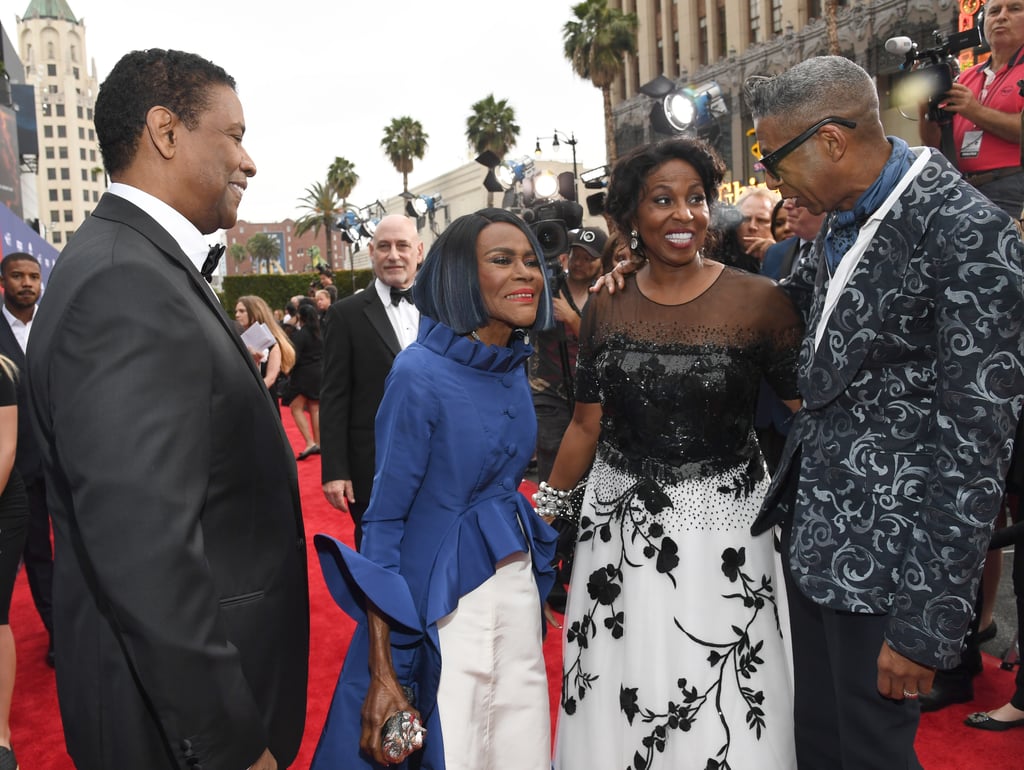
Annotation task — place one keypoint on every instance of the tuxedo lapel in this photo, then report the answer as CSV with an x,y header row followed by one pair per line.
x,y
378,318
118,209
9,345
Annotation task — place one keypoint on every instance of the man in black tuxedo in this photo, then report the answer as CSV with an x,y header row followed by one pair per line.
x,y
22,283
364,334
181,605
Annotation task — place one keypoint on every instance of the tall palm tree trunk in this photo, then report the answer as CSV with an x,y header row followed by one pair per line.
x,y
609,126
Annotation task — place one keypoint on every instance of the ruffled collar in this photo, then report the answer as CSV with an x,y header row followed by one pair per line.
x,y
441,339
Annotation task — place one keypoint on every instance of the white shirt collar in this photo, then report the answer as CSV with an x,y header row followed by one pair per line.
x,y
12,319
186,234
383,291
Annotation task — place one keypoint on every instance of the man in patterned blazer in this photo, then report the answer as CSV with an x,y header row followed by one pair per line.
x,y
911,375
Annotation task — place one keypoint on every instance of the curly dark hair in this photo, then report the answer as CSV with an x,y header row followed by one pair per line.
x,y
142,80
629,177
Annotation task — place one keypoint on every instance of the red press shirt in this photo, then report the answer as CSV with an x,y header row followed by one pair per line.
x,y
1003,94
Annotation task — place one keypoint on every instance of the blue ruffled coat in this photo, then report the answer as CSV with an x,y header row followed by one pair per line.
x,y
455,432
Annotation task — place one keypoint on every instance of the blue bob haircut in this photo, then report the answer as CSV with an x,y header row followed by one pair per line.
x,y
447,287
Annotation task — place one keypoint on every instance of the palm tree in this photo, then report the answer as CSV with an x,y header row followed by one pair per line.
x,y
492,126
262,248
596,43
342,177
323,205
404,141
238,251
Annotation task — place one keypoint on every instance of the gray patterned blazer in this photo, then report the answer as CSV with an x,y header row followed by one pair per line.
x,y
893,471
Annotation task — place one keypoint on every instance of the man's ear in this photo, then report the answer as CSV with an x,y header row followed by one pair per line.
x,y
161,125
836,142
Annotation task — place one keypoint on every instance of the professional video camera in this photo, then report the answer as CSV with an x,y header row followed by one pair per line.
x,y
551,222
933,70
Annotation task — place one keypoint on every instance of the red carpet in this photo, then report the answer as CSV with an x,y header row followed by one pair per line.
x,y
943,742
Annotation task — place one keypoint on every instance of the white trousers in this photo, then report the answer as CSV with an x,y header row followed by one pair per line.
x,y
492,699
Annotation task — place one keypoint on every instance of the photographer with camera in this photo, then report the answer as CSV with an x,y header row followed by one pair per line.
x,y
985,103
553,363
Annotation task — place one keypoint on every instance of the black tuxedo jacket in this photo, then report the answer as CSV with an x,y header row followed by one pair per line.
x,y
180,589
28,460
359,347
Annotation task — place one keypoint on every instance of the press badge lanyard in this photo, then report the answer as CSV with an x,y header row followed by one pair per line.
x,y
971,145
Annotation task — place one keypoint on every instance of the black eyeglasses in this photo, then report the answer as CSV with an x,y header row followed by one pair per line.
x,y
770,162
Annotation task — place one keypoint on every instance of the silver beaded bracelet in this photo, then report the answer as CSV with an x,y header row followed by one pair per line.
x,y
552,502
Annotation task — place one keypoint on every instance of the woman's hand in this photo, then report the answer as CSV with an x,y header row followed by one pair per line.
x,y
616,279
383,699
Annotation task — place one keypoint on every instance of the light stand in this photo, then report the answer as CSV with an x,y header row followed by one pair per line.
x,y
569,139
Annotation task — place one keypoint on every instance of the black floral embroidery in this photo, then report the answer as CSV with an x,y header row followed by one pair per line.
x,y
735,659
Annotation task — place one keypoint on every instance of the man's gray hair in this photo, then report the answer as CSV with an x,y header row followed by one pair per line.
x,y
813,89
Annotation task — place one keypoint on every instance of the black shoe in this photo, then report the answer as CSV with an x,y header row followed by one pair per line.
x,y
983,721
7,760
946,691
313,450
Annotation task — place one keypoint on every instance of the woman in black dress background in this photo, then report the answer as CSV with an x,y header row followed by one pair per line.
x,y
303,393
13,529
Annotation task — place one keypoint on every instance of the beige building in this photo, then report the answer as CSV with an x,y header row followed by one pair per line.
x,y
70,179
461,191
693,42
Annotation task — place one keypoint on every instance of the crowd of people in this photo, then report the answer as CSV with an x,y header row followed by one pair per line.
x,y
773,434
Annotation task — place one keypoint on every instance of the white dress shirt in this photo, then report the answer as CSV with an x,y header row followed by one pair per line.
x,y
186,234
20,329
404,317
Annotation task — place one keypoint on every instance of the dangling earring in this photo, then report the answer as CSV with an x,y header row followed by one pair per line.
x,y
634,240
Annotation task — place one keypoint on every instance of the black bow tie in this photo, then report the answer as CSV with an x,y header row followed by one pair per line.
x,y
210,263
397,295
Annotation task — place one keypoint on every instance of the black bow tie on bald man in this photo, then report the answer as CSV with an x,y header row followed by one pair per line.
x,y
397,295
210,263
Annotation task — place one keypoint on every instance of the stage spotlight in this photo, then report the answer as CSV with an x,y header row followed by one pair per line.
x,y
513,172
595,203
658,88
491,160
422,205
567,185
348,224
368,227
689,110
545,184
595,178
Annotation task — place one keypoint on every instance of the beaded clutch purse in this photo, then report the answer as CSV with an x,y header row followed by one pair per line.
x,y
402,733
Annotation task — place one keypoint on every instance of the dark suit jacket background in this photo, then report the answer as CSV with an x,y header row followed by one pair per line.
x,y
181,595
29,460
770,411
779,257
359,348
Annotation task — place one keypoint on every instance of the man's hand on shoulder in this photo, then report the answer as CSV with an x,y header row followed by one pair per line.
x,y
339,493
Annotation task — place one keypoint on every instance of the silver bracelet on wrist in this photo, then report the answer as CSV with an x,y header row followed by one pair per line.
x,y
553,502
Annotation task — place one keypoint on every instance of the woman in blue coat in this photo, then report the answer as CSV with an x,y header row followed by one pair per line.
x,y
454,565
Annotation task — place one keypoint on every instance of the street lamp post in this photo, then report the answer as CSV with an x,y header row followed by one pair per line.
x,y
569,139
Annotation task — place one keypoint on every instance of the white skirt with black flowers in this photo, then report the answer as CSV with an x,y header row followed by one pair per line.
x,y
674,655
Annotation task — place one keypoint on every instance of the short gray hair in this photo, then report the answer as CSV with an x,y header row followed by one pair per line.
x,y
813,89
